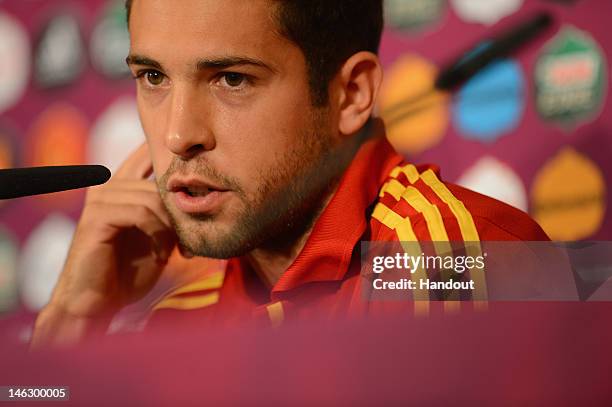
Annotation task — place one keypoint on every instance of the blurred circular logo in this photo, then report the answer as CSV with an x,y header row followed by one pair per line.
x,y
42,259
492,102
413,15
486,12
58,137
496,179
8,272
14,61
416,117
59,55
116,133
110,41
568,196
570,79
6,153
8,148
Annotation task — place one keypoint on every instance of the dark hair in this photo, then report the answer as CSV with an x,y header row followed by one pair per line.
x,y
328,32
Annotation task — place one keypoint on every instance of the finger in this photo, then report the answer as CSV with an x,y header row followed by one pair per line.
x,y
134,197
123,216
185,252
138,165
132,185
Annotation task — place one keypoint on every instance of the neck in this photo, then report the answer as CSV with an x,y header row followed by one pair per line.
x,y
271,261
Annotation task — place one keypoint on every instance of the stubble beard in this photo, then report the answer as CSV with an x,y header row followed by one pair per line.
x,y
291,195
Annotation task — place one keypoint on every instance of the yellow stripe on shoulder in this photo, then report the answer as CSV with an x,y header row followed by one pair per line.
x,y
173,300
416,199
408,170
432,217
430,212
468,229
394,188
276,313
188,303
405,234
209,282
463,216
394,221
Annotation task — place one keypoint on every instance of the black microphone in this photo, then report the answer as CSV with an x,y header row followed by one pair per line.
x,y
19,182
463,68
472,62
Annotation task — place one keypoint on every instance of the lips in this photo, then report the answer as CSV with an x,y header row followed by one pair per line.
x,y
193,187
194,196
195,190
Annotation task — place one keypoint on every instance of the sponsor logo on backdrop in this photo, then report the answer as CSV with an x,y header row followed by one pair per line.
x,y
116,133
492,103
59,55
486,12
568,196
491,177
8,149
8,271
570,79
110,42
419,126
57,137
59,125
414,15
14,61
42,259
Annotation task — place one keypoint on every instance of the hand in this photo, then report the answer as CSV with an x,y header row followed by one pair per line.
x,y
121,245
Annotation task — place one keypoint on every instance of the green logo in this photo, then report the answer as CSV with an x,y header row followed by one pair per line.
x,y
413,15
110,42
570,79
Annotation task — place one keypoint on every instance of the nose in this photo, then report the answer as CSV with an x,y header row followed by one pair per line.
x,y
187,132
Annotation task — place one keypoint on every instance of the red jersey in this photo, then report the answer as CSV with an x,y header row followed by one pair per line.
x,y
380,197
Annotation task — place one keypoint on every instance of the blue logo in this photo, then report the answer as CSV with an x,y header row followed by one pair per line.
x,y
492,102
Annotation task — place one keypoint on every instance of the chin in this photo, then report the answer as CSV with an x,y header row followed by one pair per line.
x,y
207,239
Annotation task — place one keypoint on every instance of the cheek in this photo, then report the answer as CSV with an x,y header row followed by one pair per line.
x,y
252,155
260,140
152,126
161,161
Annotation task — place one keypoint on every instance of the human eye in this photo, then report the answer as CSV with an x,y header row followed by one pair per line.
x,y
234,81
150,78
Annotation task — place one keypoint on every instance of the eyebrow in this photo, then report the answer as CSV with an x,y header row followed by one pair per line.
x,y
141,60
203,64
227,62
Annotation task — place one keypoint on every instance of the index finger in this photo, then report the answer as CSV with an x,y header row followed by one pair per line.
x,y
138,165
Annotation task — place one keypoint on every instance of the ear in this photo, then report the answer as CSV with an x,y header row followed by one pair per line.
x,y
359,81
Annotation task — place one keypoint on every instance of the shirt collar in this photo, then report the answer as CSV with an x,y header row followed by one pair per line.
x,y
326,256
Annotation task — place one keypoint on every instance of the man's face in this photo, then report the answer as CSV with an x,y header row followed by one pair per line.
x,y
239,152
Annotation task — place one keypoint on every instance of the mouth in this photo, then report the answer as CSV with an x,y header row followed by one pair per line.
x,y
196,196
196,191
193,187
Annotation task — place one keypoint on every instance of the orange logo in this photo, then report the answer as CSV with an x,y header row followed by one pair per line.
x,y
58,137
568,196
413,127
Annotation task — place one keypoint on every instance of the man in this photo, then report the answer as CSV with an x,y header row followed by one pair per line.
x,y
259,128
